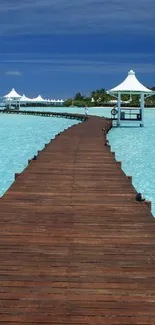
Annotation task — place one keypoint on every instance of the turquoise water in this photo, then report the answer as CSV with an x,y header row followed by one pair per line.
x,y
92,111
21,136
135,147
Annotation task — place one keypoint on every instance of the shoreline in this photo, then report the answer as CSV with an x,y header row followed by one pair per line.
x,y
121,107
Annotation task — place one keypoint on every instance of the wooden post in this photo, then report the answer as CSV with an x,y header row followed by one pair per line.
x,y
142,109
16,175
119,109
119,163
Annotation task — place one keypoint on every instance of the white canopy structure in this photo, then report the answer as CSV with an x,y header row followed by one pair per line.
x,y
59,101
13,94
56,101
38,99
25,99
14,98
131,85
114,101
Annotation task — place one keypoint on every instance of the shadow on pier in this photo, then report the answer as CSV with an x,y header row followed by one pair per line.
x,y
75,246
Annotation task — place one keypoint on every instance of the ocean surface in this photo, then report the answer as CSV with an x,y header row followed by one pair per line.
x,y
135,147
22,136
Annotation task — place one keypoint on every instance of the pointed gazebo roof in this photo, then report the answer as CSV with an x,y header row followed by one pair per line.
x,y
38,99
131,85
13,94
25,99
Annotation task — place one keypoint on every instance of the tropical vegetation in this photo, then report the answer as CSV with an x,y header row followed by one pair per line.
x,y
99,97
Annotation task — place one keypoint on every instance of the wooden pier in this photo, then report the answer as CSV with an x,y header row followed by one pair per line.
x,y
76,248
74,116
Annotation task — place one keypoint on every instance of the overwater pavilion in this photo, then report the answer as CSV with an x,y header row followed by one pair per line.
x,y
38,100
12,97
24,100
130,86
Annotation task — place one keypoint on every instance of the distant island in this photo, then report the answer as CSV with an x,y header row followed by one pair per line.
x,y
99,98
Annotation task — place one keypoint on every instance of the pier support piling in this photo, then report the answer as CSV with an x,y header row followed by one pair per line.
x,y
16,175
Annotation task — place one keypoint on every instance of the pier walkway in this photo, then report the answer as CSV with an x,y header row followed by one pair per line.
x,y
45,113
75,246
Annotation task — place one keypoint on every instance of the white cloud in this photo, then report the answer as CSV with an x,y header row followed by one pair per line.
x,y
14,73
104,64
73,17
98,59
86,57
104,69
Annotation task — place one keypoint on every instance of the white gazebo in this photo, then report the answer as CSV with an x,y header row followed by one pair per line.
x,y
53,101
130,85
59,101
25,100
12,96
38,100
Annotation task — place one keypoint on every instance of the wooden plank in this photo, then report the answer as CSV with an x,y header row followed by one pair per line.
x,y
76,248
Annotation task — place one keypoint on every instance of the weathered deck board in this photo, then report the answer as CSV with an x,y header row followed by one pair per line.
x,y
75,246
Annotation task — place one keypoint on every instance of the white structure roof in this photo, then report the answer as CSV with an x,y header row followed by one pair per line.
x,y
38,99
60,101
113,101
25,99
13,94
131,84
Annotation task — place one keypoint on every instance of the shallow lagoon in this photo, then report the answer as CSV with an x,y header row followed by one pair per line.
x,y
135,147
21,136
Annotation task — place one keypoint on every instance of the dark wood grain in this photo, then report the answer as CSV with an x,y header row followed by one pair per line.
x,y
75,246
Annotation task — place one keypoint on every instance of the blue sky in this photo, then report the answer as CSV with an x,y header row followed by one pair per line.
x,y
59,47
